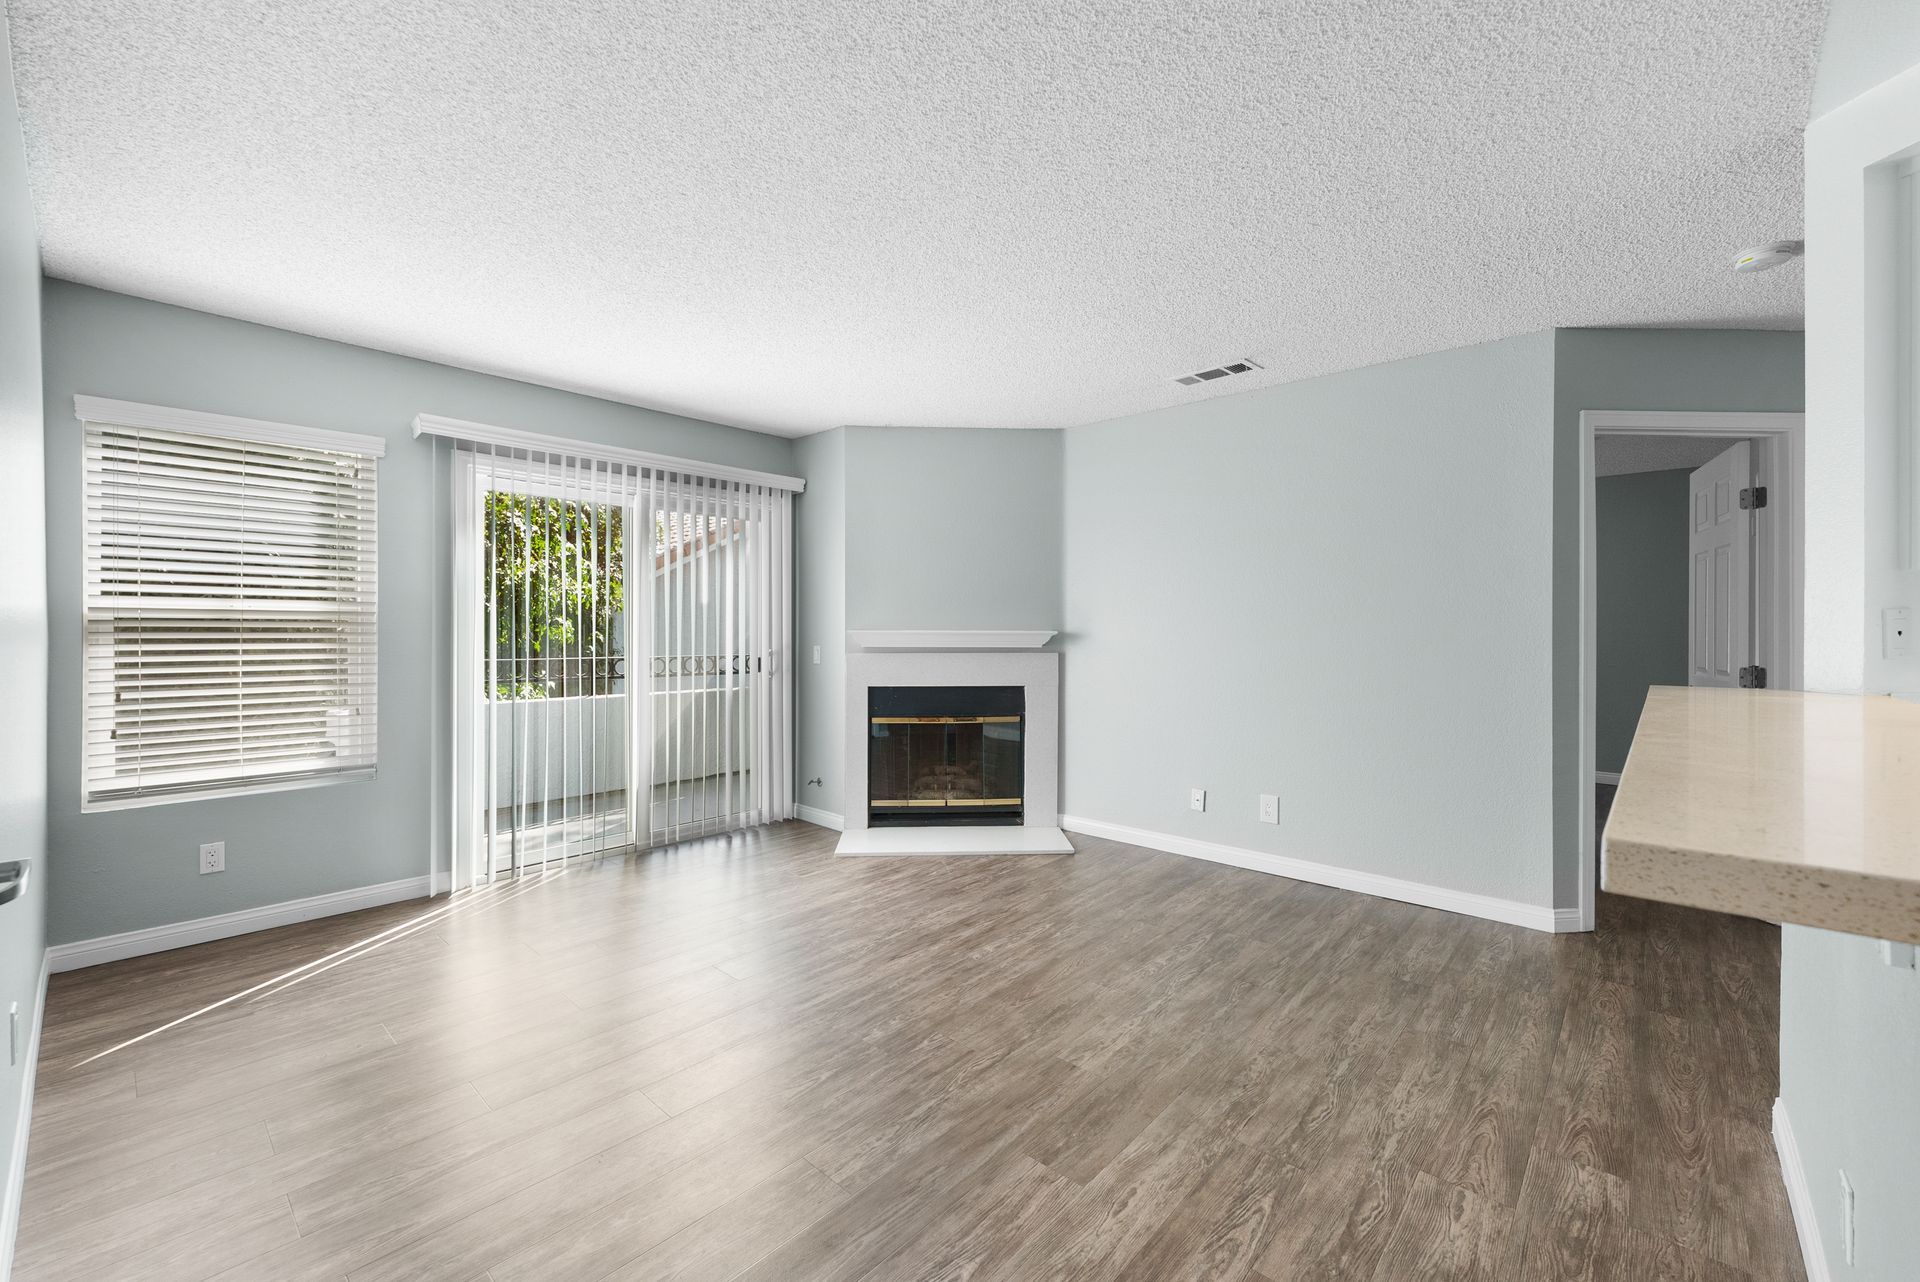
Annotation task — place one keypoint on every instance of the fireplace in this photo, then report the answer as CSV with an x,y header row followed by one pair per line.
x,y
945,755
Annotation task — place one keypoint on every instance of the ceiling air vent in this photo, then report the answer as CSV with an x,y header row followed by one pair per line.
x,y
1208,375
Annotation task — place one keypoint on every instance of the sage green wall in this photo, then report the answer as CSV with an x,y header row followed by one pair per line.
x,y
1640,589
914,527
1634,369
1338,591
23,629
953,528
129,869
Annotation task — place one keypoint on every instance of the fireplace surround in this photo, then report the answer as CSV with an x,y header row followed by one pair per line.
x,y
952,743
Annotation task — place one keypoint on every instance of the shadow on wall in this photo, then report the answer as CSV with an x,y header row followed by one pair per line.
x,y
1640,589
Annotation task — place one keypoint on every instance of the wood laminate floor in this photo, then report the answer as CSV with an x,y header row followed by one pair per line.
x,y
744,1058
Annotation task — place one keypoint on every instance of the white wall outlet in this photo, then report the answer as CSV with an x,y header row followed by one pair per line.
x,y
1846,1217
1896,631
1896,954
1269,808
816,654
1199,799
213,857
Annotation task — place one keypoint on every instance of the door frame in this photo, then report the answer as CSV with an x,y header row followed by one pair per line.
x,y
1780,464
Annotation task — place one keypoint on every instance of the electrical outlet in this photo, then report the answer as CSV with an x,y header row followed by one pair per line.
x,y
1269,808
1199,799
1896,631
1846,1216
213,857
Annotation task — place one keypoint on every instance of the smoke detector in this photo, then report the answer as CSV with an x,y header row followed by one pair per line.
x,y
1224,371
1764,257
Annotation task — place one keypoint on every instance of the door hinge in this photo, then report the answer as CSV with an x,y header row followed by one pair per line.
x,y
1753,678
1753,497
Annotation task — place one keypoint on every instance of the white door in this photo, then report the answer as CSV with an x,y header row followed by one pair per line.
x,y
1720,623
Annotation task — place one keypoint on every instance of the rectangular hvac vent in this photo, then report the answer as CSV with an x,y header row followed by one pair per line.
x,y
1208,375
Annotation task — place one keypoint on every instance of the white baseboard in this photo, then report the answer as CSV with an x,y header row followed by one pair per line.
x,y
821,818
1511,911
158,939
1606,777
16,1181
1799,1195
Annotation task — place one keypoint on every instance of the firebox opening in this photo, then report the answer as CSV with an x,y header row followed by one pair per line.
x,y
945,755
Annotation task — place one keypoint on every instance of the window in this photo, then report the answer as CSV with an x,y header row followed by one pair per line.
x,y
230,605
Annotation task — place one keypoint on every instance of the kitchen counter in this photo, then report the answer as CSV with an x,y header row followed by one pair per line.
x,y
1771,803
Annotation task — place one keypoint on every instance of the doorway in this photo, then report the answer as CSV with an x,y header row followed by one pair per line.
x,y
1746,576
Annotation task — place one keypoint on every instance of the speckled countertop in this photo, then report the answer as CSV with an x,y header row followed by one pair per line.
x,y
1793,807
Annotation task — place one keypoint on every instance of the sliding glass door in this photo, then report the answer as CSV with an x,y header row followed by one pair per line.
x,y
620,637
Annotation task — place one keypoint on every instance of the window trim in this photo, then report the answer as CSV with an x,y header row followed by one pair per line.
x,y
108,412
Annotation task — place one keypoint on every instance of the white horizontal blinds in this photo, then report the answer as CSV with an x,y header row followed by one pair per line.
x,y
230,612
552,702
720,699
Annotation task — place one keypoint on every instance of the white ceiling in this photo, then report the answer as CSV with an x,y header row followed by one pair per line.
x,y
1621,455
795,215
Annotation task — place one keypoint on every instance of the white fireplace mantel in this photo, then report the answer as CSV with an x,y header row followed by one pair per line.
x,y
951,639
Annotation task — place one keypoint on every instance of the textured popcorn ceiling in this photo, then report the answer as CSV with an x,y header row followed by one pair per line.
x,y
1621,455
795,215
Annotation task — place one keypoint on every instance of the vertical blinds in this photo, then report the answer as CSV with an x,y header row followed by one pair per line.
x,y
622,635
230,606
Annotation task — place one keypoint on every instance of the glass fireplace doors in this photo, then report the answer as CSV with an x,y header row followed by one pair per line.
x,y
945,755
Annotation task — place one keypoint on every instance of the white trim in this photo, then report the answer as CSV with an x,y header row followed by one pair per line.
x,y
516,439
100,409
1799,1196
1607,777
955,639
1781,463
246,788
1511,911
819,818
11,1192
158,939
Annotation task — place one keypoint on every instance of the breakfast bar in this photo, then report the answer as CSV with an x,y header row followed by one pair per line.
x,y
1792,807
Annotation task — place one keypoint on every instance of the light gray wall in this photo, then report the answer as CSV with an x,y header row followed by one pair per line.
x,y
953,528
125,870
820,592
1337,591
1634,369
1640,589
23,618
1850,1077
1866,41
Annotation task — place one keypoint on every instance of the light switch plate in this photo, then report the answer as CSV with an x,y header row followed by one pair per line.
x,y
816,654
1896,954
1896,631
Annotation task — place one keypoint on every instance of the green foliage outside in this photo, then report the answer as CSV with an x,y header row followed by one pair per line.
x,y
558,580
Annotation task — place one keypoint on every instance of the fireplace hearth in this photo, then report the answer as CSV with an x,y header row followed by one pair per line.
x,y
945,755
